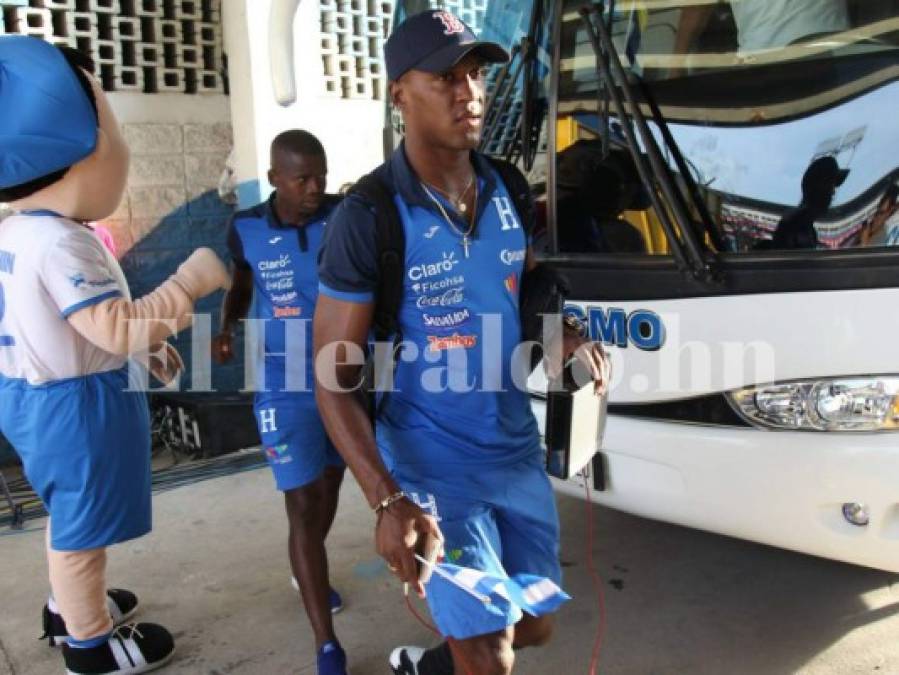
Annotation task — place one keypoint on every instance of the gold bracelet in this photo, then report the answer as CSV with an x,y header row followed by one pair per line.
x,y
388,501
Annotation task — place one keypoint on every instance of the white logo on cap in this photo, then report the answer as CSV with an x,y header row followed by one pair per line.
x,y
452,24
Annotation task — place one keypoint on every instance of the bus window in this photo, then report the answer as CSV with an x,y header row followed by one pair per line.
x,y
783,111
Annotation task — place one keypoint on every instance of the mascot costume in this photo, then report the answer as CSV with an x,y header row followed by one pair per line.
x,y
67,328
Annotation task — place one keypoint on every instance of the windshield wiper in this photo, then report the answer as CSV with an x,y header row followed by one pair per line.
x,y
524,134
655,174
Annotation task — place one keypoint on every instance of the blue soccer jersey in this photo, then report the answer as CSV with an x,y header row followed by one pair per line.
x,y
285,280
455,400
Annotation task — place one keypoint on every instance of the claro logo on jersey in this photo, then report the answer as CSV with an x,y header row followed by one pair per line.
x,y
280,263
425,271
613,326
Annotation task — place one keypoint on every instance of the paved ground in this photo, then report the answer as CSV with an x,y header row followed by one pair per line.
x,y
677,600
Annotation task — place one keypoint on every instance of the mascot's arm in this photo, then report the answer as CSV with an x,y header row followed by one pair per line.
x,y
124,327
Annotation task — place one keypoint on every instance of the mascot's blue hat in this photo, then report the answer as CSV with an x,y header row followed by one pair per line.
x,y
49,123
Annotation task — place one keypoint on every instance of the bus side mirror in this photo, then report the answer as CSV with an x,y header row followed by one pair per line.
x,y
280,46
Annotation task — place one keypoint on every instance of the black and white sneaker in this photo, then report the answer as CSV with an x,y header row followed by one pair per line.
x,y
132,648
122,606
418,661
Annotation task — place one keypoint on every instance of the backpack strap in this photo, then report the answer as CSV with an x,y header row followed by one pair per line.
x,y
391,241
391,248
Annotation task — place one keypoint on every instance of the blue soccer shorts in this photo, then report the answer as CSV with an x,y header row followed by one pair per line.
x,y
85,448
294,439
501,521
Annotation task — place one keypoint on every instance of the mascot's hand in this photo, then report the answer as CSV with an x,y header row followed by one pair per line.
x,y
203,273
165,363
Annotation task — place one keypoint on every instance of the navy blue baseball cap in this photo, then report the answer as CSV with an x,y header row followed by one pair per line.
x,y
49,122
434,41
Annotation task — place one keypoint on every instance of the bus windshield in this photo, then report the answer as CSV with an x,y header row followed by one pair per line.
x,y
783,110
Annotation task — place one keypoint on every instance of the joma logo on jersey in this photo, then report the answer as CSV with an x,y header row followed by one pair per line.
x,y
641,328
451,23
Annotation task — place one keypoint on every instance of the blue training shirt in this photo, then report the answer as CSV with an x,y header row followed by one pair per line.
x,y
283,259
455,401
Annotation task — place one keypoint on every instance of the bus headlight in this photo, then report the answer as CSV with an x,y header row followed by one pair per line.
x,y
851,404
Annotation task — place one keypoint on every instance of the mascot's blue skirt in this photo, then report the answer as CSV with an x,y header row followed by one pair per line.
x,y
85,445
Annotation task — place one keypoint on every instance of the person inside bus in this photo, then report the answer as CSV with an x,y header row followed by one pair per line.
x,y
765,24
876,231
593,193
819,185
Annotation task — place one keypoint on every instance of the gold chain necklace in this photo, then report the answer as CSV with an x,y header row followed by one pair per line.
x,y
466,234
459,203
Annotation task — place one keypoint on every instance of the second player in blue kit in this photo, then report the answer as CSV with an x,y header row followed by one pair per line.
x,y
274,247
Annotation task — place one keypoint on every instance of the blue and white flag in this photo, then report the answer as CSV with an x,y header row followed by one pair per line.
x,y
532,594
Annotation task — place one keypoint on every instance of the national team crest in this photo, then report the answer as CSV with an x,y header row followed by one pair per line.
x,y
451,22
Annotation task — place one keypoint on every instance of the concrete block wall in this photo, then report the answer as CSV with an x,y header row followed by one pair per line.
x,y
150,46
172,207
352,39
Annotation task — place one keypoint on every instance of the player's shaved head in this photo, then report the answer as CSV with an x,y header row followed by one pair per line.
x,y
293,143
299,173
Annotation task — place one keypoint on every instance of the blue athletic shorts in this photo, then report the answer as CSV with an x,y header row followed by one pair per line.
x,y
293,438
85,447
502,521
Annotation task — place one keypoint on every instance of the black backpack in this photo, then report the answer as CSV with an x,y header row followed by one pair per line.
x,y
392,240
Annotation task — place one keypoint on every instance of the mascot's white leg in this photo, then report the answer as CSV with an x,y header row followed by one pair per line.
x,y
68,326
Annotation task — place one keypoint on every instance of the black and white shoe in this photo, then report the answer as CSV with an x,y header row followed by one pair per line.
x,y
122,606
419,661
132,648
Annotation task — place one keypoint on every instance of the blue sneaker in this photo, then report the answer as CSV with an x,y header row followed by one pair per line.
x,y
331,659
335,601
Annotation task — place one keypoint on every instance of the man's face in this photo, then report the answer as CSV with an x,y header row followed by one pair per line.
x,y
300,180
444,110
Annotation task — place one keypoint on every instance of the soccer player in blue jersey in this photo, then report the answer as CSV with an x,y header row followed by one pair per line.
x,y
465,460
274,247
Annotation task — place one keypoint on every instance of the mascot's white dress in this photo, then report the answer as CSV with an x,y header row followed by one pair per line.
x,y
67,329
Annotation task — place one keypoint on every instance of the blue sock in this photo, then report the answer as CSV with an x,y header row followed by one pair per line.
x,y
88,644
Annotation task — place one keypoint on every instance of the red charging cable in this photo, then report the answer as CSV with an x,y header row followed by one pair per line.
x,y
597,581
